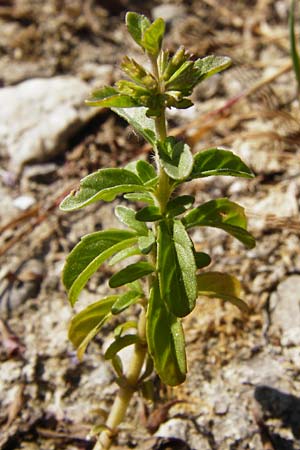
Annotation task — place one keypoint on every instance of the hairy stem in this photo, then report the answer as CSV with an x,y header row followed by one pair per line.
x,y
121,402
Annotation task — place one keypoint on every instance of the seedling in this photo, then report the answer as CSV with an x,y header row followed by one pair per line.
x,y
168,274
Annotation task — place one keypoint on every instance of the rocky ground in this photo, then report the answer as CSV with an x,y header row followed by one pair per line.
x,y
243,387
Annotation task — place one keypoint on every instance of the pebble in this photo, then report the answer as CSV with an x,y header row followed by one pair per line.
x,y
24,202
39,116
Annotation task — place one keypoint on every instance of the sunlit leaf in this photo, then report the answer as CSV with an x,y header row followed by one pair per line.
x,y
124,254
144,197
176,158
124,326
119,343
109,97
224,214
131,273
166,340
223,286
87,323
124,301
208,66
127,216
137,118
137,24
176,268
88,255
146,243
216,161
105,184
153,36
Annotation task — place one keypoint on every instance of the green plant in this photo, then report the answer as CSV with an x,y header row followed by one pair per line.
x,y
165,282
293,44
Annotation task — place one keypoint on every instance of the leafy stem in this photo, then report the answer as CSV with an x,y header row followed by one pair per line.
x,y
157,234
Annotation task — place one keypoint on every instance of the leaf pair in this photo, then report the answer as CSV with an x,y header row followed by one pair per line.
x,y
147,35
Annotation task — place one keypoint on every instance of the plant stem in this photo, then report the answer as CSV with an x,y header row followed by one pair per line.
x,y
163,190
118,410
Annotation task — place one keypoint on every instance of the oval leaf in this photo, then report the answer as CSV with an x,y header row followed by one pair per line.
x,y
153,36
208,66
174,276
105,184
216,161
166,340
137,24
179,205
223,286
124,301
127,216
176,158
87,256
124,254
109,97
137,118
144,197
120,343
131,273
88,322
224,214
149,214
146,243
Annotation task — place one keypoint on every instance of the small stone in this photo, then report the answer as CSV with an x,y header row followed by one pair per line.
x,y
285,310
39,116
24,202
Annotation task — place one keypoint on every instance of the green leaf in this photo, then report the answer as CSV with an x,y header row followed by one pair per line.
x,y
223,286
131,273
153,36
105,184
109,97
224,214
120,343
88,322
183,79
176,158
145,171
216,161
149,214
138,74
144,197
176,269
293,44
166,340
88,255
146,243
127,216
208,66
124,254
119,330
186,260
202,259
137,118
137,24
179,205
117,365
125,300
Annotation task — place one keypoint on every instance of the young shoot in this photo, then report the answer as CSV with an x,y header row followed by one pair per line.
x,y
170,273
